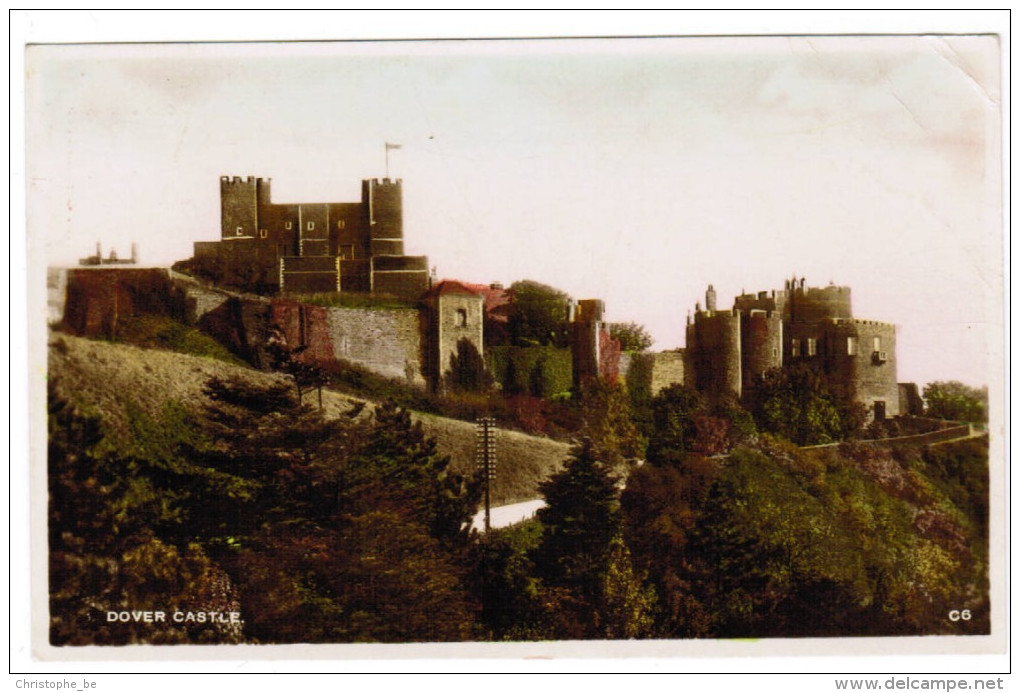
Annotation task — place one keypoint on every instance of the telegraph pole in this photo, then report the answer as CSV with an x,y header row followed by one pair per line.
x,y
486,459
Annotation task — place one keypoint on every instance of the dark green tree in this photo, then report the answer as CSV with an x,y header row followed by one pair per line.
x,y
674,413
504,579
397,467
607,422
318,530
632,336
467,369
106,508
661,507
580,520
802,405
538,314
955,401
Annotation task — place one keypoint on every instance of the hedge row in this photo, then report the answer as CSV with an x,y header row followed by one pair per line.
x,y
541,371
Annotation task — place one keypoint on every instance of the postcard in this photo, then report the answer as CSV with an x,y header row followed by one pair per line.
x,y
659,347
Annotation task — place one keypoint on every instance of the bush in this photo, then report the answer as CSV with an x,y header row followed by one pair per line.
x,y
161,332
542,371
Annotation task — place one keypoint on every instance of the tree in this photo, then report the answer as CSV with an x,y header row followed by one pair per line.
x,y
632,336
467,369
800,404
538,314
661,507
607,423
283,358
504,580
625,603
955,401
106,507
580,520
316,529
674,413
397,467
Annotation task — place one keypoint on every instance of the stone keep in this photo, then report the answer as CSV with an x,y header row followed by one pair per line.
x,y
315,247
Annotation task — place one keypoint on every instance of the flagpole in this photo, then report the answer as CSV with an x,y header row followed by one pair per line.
x,y
387,147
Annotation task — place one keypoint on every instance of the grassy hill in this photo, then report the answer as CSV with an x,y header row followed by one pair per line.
x,y
107,379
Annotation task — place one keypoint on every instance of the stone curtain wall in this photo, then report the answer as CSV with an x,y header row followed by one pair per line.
x,y
647,374
387,342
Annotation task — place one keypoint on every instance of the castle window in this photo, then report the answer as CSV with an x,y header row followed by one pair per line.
x,y
795,347
288,225
877,344
240,231
812,346
775,352
311,226
262,233
461,317
851,346
347,252
341,224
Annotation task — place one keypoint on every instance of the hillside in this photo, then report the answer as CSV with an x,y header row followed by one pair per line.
x,y
107,379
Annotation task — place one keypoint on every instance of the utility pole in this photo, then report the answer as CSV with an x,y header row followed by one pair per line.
x,y
486,460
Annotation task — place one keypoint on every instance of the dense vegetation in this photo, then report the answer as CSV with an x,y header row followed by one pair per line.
x,y
316,530
955,401
725,532
679,515
353,529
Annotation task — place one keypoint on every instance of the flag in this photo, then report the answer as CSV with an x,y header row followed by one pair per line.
x,y
392,146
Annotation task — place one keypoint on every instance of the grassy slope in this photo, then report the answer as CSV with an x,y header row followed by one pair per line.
x,y
102,376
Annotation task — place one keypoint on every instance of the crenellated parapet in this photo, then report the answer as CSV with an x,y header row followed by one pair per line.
x,y
261,241
731,350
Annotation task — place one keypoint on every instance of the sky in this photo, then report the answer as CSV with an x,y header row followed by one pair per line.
x,y
637,171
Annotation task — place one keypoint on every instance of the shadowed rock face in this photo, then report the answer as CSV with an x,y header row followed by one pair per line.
x,y
98,299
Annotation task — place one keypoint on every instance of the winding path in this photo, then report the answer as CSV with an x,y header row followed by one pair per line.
x,y
506,515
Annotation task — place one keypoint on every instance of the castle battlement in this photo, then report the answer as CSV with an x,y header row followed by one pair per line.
x,y
859,321
238,180
260,241
765,330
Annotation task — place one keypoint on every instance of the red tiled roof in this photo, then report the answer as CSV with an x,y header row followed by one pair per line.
x,y
495,299
452,286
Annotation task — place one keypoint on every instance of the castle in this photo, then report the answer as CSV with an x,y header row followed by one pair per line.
x,y
358,247
730,350
318,247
